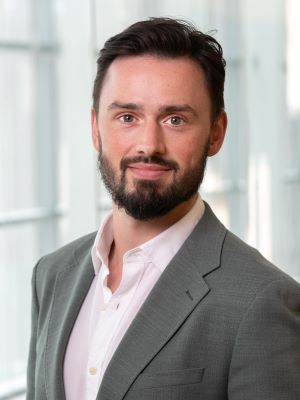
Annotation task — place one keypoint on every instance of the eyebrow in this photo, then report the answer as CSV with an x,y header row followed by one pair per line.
x,y
163,109
178,108
126,106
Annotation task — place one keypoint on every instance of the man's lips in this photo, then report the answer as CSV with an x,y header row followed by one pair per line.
x,y
148,171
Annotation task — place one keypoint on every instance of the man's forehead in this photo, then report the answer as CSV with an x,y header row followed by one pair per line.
x,y
150,81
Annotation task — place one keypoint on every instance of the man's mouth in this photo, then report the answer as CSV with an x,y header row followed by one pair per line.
x,y
148,171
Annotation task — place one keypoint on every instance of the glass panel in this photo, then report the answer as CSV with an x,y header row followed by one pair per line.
x,y
28,131
26,20
18,162
15,23
42,20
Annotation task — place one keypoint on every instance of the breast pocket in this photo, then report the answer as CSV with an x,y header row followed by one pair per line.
x,y
168,385
169,378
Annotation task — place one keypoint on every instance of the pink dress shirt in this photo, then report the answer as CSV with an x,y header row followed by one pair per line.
x,y
105,316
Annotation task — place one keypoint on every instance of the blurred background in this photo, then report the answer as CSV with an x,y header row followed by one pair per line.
x,y
50,190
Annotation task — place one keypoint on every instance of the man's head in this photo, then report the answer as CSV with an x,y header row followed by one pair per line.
x,y
157,115
170,38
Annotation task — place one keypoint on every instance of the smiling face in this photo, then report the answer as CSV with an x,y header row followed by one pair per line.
x,y
154,132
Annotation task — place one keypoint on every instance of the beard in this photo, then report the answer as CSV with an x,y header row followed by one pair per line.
x,y
150,199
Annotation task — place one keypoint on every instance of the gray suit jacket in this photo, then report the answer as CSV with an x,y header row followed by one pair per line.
x,y
220,323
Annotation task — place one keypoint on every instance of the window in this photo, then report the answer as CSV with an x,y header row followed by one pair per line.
x,y
28,173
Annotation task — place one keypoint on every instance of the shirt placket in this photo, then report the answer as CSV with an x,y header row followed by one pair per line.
x,y
109,313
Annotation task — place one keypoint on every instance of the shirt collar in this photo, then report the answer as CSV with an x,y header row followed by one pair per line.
x,y
155,249
103,242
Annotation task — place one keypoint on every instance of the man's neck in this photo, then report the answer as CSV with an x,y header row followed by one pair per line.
x,y
130,233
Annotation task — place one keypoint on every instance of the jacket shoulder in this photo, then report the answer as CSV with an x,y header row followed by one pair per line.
x,y
64,257
245,273
249,260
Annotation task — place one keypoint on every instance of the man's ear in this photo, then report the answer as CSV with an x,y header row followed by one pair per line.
x,y
95,131
217,134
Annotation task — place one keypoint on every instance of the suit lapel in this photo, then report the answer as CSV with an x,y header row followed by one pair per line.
x,y
180,288
71,287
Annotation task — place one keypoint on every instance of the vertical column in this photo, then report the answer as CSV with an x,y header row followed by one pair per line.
x,y
264,75
76,145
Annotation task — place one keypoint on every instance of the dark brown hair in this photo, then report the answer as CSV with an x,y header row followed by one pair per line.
x,y
166,37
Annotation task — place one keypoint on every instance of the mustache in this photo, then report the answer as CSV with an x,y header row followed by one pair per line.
x,y
171,164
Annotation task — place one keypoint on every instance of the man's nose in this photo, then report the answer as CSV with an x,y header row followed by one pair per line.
x,y
150,139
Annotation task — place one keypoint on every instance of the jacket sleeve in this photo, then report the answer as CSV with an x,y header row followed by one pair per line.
x,y
30,390
266,358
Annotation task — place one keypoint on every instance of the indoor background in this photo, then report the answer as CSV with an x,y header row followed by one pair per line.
x,y
50,190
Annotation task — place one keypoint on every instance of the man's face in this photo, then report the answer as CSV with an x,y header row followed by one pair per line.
x,y
154,132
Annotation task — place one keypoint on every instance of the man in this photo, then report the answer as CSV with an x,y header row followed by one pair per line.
x,y
163,302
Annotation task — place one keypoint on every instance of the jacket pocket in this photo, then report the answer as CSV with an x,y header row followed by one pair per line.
x,y
169,378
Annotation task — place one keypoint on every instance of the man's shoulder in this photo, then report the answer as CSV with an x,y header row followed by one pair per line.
x,y
247,258
222,248
241,268
67,255
246,273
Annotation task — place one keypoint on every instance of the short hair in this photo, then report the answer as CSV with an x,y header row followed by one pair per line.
x,y
170,38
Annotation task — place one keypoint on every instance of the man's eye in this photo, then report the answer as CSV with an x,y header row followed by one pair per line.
x,y
175,120
127,118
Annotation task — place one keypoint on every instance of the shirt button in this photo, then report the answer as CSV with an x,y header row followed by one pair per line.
x,y
93,370
103,306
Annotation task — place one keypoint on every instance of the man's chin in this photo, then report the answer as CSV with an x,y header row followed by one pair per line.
x,y
156,185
